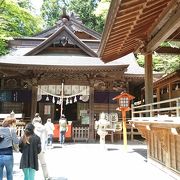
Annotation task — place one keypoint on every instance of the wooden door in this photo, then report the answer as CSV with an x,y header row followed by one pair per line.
x,y
46,110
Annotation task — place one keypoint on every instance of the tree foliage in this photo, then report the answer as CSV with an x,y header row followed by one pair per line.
x,y
165,63
26,4
86,10
102,9
51,11
15,21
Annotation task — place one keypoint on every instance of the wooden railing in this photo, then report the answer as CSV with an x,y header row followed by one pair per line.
x,y
163,110
80,133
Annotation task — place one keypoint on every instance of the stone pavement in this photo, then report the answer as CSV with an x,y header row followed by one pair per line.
x,y
81,161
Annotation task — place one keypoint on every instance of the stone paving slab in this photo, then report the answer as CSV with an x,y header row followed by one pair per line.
x,y
81,161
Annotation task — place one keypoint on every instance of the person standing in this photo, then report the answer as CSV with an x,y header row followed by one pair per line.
x,y
63,128
37,118
9,137
50,129
30,147
40,130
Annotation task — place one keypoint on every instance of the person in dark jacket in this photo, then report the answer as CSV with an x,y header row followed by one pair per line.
x,y
30,147
8,139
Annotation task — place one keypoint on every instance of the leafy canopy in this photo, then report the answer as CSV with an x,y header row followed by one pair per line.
x,y
14,22
91,12
165,63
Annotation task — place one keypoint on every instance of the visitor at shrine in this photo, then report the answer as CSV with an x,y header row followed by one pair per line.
x,y
7,141
41,131
37,118
50,130
63,128
30,147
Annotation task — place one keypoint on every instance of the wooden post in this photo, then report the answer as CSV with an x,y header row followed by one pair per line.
x,y
91,113
34,98
2,84
124,129
148,79
62,95
158,96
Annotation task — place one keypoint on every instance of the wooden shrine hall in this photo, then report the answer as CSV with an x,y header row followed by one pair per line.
x,y
58,71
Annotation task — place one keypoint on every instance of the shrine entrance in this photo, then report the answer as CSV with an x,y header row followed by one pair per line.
x,y
51,110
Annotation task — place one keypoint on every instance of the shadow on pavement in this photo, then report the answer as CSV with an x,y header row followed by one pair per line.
x,y
142,152
57,146
112,149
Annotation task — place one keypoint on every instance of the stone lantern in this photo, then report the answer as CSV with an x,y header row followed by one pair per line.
x,y
101,125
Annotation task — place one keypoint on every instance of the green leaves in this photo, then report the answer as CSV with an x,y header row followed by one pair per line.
x,y
16,21
164,63
86,11
51,11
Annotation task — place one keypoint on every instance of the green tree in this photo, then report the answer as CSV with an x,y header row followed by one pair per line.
x,y
15,21
51,11
164,63
102,9
26,4
86,11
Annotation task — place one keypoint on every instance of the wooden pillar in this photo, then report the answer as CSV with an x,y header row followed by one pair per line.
x,y
148,79
169,88
158,96
91,113
2,83
34,98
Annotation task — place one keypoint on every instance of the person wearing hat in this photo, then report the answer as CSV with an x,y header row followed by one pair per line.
x,y
30,147
8,139
63,128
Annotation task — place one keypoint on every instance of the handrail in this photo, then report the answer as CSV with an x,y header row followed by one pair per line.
x,y
159,102
172,106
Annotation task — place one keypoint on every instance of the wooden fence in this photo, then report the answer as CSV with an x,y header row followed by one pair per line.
x,y
80,133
